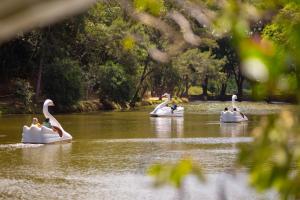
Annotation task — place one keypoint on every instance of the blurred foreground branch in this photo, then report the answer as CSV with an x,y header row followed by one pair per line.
x,y
19,16
178,41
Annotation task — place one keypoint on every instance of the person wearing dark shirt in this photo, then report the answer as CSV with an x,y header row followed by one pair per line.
x,y
47,123
174,107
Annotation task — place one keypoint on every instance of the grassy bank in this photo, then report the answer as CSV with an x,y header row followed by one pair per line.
x,y
12,107
209,107
215,107
248,107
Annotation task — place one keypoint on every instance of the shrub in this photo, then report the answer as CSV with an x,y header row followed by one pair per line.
x,y
23,91
62,82
113,84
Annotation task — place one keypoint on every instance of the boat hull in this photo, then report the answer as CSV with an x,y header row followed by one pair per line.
x,y
232,117
167,112
43,135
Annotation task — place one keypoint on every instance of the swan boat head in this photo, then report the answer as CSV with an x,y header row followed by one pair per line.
x,y
48,102
234,97
166,95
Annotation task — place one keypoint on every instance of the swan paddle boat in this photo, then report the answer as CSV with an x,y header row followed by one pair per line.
x,y
44,135
233,115
162,110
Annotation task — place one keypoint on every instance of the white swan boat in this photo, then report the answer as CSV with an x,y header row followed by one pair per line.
x,y
44,135
234,115
162,110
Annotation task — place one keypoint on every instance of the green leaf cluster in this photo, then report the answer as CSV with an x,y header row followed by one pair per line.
x,y
62,82
175,174
113,83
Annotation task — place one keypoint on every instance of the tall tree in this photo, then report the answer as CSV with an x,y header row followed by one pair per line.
x,y
198,67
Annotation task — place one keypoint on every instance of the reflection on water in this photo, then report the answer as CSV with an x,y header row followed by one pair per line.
x,y
111,152
165,126
234,129
47,155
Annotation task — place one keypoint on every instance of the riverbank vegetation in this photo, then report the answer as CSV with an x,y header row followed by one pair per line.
x,y
106,54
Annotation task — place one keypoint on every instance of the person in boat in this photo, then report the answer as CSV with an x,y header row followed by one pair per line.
x,y
173,107
47,123
35,122
54,128
234,109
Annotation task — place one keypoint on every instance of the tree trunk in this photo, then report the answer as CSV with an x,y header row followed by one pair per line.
x,y
143,77
223,91
204,88
186,82
42,45
239,79
223,88
39,79
144,90
240,90
240,82
181,92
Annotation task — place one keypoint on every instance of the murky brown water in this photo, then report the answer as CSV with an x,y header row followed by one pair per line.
x,y
111,151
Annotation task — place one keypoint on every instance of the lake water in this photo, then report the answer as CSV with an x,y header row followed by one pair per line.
x,y
111,152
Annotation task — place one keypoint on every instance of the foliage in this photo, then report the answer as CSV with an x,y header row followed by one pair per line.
x,y
16,59
231,69
284,25
174,174
109,39
164,78
275,155
214,86
155,7
195,90
23,91
62,82
112,83
198,65
231,86
271,62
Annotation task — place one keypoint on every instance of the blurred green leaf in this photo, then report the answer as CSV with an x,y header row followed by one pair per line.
x,y
174,174
128,43
155,7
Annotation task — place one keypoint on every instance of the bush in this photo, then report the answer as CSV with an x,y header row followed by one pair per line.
x,y
62,82
23,91
195,90
113,84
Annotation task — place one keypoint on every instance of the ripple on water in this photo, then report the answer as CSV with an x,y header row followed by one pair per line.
x,y
19,146
212,122
131,186
203,140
